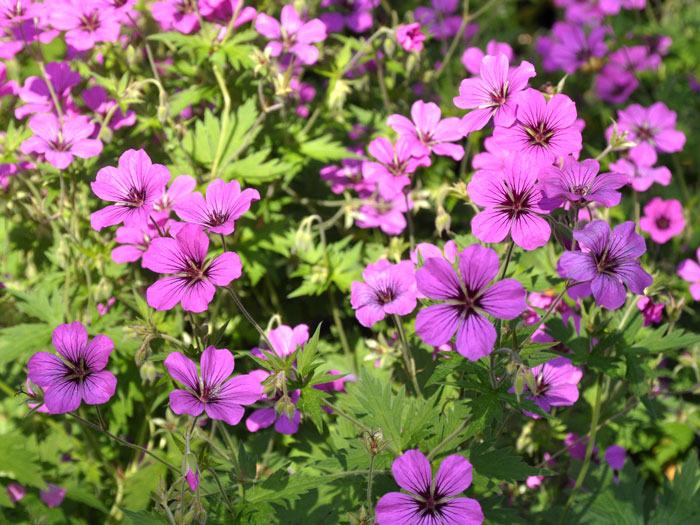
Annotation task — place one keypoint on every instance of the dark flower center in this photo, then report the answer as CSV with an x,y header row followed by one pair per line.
x,y
78,371
517,202
645,133
136,197
663,222
540,135
541,387
385,296
91,22
430,507
499,97
217,218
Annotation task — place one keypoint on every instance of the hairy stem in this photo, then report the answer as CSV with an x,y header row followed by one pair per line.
x,y
408,361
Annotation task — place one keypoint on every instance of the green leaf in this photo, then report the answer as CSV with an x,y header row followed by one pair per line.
x,y
325,149
18,462
142,517
501,464
281,487
660,342
307,355
310,401
20,340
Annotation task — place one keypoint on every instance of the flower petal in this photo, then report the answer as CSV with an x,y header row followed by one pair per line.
x,y
453,477
216,366
183,370
412,472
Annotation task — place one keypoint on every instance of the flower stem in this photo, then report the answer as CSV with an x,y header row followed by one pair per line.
x,y
223,241
349,356
410,364
221,490
449,438
409,220
124,442
369,484
548,312
249,317
223,133
589,448
509,256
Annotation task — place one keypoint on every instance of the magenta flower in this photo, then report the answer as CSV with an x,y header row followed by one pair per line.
x,y
689,271
464,300
410,37
571,48
388,289
441,20
615,85
59,144
192,478
134,186
427,133
347,176
579,181
494,93
15,492
396,163
86,22
607,261
285,340
556,384
265,417
224,204
545,130
96,99
195,276
35,92
640,170
663,219
651,311
78,374
615,455
513,204
210,391
473,56
388,215
136,240
358,18
180,15
180,187
292,35
52,497
577,446
430,501
493,159
653,129
427,250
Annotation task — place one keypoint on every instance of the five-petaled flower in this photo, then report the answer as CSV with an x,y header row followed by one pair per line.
x,y
291,35
396,163
463,300
210,391
493,94
224,204
431,501
608,260
195,274
513,203
133,186
388,289
554,384
78,374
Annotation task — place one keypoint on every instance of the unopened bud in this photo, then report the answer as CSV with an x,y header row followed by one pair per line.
x,y
148,372
132,56
319,274
163,108
443,221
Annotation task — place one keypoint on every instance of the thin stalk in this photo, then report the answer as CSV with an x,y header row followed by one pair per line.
x,y
509,256
222,491
409,220
123,442
224,122
223,241
549,311
369,484
349,356
347,416
449,438
249,317
459,36
410,364
382,87
589,449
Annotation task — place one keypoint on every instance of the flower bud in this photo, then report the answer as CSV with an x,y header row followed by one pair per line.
x,y
163,108
443,221
148,372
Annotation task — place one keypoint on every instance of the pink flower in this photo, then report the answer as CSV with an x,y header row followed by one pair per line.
x,y
544,130
265,417
195,276
192,478
224,204
347,176
52,497
35,92
652,128
493,158
387,289
134,186
86,22
103,308
652,312
292,35
427,250
663,219
285,340
465,301
640,172
615,456
396,163
473,56
222,11
135,240
16,492
210,390
78,374
385,214
689,271
571,48
96,99
555,384
180,15
579,181
430,501
513,204
493,94
615,85
180,187
59,144
427,133
441,20
410,36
